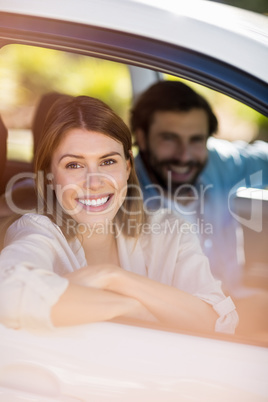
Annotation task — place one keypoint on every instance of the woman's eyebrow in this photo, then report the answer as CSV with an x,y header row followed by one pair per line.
x,y
71,156
110,154
82,157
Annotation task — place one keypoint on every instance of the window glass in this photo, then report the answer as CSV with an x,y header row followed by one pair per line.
x,y
26,73
236,120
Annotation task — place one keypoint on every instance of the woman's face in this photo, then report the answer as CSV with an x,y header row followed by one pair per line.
x,y
90,176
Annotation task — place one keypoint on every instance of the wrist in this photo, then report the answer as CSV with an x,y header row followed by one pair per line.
x,y
116,281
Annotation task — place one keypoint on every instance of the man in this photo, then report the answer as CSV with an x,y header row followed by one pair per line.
x,y
181,167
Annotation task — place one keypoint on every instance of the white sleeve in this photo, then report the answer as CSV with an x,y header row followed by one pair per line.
x,y
192,274
29,287
173,256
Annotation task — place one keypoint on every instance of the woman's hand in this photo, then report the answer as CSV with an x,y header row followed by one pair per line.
x,y
102,277
162,303
95,276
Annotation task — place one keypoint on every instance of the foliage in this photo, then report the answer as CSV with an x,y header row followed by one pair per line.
x,y
258,6
236,120
28,72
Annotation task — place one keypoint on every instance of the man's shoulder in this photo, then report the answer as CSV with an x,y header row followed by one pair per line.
x,y
223,158
224,149
230,162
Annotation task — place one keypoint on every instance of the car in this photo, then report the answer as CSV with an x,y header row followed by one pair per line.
x,y
219,47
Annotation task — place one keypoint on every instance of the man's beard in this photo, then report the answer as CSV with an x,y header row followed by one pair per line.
x,y
158,170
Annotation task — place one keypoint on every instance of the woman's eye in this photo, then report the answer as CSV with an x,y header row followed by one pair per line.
x,y
108,162
73,165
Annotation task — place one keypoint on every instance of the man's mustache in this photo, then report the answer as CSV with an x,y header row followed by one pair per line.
x,y
175,162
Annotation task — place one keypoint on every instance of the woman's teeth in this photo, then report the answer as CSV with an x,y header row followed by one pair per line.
x,y
96,202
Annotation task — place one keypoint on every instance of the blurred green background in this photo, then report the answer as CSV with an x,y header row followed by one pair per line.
x,y
26,73
259,6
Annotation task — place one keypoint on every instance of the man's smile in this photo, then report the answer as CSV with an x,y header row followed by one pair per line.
x,y
180,169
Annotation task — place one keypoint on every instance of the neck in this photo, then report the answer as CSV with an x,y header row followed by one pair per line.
x,y
100,248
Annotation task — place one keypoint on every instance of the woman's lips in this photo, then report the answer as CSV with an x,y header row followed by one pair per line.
x,y
96,204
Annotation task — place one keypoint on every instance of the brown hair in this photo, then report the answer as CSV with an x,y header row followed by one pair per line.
x,y
94,115
41,113
168,96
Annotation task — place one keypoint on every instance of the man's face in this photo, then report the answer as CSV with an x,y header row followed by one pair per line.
x,y
176,146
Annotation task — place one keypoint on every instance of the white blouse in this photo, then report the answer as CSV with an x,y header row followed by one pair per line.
x,y
37,254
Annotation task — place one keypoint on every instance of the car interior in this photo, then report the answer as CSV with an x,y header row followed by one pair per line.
x,y
29,73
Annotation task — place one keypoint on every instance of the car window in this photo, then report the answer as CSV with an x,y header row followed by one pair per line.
x,y
240,124
27,73
236,120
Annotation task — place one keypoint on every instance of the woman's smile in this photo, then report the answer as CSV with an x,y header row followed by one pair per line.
x,y
90,174
96,203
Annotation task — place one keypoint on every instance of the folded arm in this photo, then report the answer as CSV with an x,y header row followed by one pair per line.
x,y
82,305
171,306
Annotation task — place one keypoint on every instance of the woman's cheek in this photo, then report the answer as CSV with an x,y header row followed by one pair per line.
x,y
67,195
122,184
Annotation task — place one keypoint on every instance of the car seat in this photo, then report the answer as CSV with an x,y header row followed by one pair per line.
x,y
3,153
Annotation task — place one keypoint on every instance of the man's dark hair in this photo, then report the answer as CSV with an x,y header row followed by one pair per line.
x,y
168,96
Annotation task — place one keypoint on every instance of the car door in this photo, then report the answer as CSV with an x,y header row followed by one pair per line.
x,y
108,361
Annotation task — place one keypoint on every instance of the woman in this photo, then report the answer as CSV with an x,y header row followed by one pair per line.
x,y
89,254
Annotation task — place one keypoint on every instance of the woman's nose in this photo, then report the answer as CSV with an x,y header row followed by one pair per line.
x,y
93,180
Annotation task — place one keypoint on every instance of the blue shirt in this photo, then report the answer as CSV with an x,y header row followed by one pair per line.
x,y
212,210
